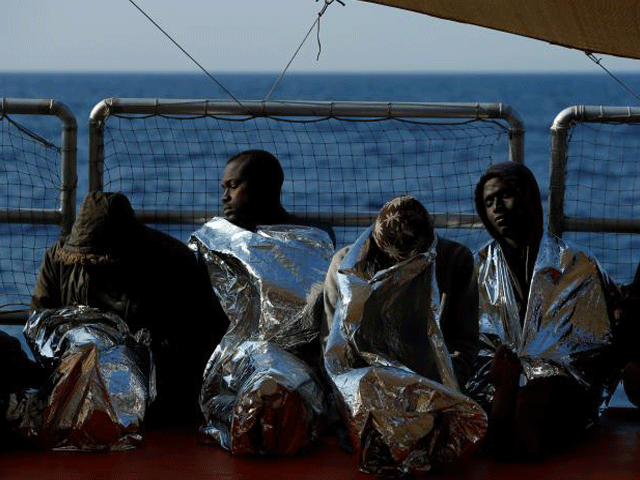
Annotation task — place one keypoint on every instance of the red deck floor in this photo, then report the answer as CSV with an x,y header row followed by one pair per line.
x,y
612,453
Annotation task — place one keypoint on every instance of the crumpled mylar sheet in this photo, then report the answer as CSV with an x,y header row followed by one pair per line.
x,y
264,400
258,395
101,383
397,388
567,330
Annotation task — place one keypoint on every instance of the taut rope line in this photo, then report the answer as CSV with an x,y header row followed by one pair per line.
x,y
187,54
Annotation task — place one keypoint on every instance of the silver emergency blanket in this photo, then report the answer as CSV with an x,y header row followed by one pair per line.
x,y
258,396
392,372
567,330
101,384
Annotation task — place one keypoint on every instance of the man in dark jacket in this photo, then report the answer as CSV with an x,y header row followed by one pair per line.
x,y
629,334
112,262
546,330
403,229
401,336
19,372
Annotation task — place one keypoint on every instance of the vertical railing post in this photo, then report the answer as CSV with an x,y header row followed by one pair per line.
x,y
516,134
69,176
557,171
97,120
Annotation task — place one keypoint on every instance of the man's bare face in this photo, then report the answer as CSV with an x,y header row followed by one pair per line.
x,y
236,194
505,211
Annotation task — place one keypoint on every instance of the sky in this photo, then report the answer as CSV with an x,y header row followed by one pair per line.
x,y
262,36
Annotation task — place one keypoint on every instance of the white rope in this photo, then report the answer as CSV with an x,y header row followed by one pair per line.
x,y
316,22
187,54
598,61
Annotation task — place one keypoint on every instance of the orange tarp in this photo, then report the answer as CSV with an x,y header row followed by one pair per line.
x,y
598,26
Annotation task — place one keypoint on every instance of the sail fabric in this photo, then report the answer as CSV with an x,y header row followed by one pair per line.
x,y
588,25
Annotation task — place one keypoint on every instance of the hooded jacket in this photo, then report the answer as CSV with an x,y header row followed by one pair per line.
x,y
112,262
548,301
520,260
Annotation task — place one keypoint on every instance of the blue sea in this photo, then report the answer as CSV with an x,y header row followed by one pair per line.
x,y
537,98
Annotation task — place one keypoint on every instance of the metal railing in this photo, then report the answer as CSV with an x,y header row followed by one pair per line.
x,y
65,215
558,222
142,106
15,303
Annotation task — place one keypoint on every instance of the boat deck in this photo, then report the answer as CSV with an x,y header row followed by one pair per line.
x,y
611,452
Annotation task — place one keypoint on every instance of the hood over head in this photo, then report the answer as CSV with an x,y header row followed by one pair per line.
x,y
524,182
104,232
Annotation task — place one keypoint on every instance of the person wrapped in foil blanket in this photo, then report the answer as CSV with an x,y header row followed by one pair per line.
x,y
386,355
111,279
101,382
260,394
545,363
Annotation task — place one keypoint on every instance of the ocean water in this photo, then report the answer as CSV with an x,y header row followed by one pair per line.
x,y
537,98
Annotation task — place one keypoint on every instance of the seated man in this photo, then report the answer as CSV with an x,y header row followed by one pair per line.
x,y
19,374
251,189
545,324
260,394
113,263
631,381
401,316
411,234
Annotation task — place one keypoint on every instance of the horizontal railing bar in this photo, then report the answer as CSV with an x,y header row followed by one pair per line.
x,y
595,113
615,225
14,317
30,216
160,106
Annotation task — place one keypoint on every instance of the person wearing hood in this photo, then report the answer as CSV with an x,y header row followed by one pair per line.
x,y
112,262
545,359
629,334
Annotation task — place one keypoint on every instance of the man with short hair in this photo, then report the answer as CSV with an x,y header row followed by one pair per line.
x,y
403,229
266,268
251,189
